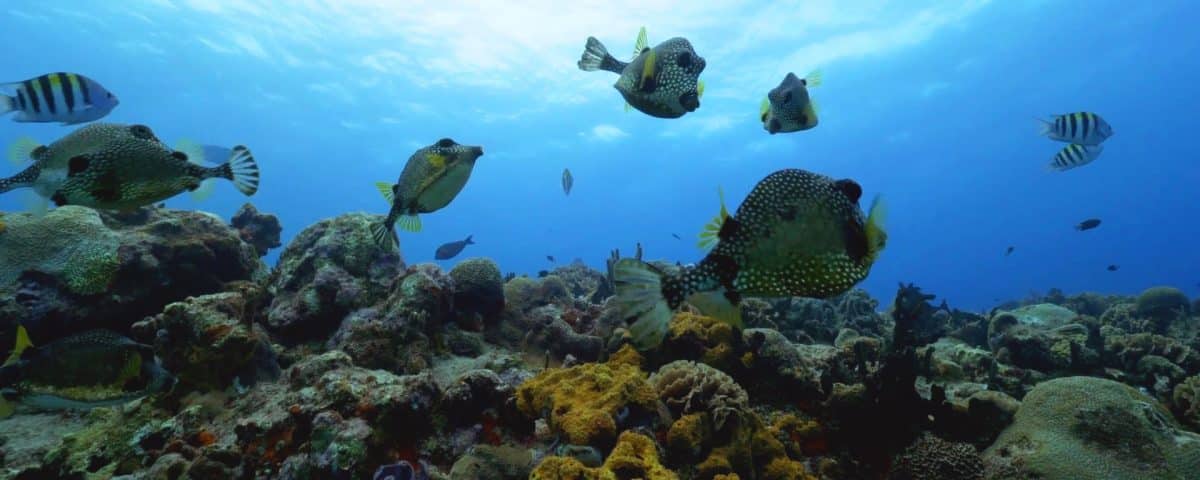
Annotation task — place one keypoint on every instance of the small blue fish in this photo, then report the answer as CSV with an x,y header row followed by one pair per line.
x,y
68,98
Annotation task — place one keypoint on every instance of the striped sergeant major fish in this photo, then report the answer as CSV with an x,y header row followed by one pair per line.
x,y
68,98
1075,155
1083,128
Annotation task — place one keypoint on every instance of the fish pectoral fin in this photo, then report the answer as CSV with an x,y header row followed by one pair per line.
x,y
386,190
19,346
22,150
203,190
699,89
717,305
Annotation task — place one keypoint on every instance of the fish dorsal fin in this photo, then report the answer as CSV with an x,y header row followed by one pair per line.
x,y
437,160
699,89
716,305
19,346
193,150
641,44
876,235
385,188
813,79
409,223
764,107
21,150
712,230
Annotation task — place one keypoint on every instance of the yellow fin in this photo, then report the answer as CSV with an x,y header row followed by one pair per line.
x,y
699,89
21,150
628,107
716,305
648,68
876,235
641,44
816,109
437,160
386,189
709,236
21,344
409,223
193,150
764,107
204,191
813,79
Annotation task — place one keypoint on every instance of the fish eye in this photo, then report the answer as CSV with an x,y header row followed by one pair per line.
x,y
142,132
684,60
110,95
445,143
850,188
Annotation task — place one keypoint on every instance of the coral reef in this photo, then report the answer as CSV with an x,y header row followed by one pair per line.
x,y
478,291
1107,430
257,229
689,387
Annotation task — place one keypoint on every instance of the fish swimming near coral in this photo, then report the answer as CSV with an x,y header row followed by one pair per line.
x,y
86,370
1073,155
68,98
120,167
568,181
788,107
1088,224
432,178
797,233
1082,128
662,82
452,249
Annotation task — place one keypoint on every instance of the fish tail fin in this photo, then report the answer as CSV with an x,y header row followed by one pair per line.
x,y
715,304
241,169
1045,127
21,151
876,235
639,296
596,57
384,232
19,346
813,79
7,104
469,241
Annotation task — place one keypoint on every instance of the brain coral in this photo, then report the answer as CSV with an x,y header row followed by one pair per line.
x,y
690,387
1091,428
69,241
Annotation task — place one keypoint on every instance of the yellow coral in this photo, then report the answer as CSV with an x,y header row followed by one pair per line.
x,y
688,435
714,338
583,400
635,456
627,355
782,468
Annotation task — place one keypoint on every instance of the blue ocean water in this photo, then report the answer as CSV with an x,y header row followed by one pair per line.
x,y
930,104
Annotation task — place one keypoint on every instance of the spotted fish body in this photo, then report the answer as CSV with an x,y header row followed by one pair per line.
x,y
122,167
63,97
788,107
1082,128
663,81
797,234
432,178
88,369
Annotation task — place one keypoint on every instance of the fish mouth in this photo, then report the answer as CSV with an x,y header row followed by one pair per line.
x,y
690,101
773,126
478,151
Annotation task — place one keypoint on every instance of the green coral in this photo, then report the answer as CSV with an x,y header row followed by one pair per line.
x,y
69,242
1107,430
108,446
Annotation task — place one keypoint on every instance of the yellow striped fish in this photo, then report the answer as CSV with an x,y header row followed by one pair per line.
x,y
1075,155
63,97
1083,128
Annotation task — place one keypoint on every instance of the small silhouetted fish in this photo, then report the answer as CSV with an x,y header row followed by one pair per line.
x,y
1008,251
449,250
676,236
568,181
550,258
1088,224
1113,268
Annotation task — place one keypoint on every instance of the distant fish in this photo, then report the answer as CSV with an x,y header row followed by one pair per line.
x,y
550,258
1008,251
662,82
567,181
676,236
788,107
63,97
1113,268
1075,155
1088,224
449,250
1083,128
